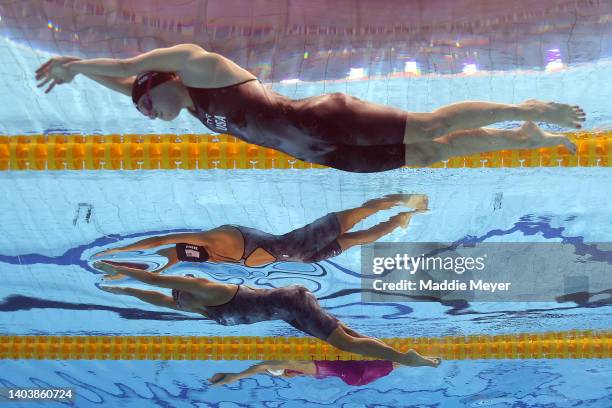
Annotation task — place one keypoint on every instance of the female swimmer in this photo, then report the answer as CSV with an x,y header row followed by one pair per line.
x,y
351,372
230,304
335,130
324,238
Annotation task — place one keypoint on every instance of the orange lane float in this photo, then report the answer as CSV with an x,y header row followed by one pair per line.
x,y
190,152
575,344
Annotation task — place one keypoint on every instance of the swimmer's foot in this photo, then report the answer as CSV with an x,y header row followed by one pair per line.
x,y
416,201
552,112
533,137
414,359
383,203
403,219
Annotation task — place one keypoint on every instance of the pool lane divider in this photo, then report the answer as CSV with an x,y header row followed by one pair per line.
x,y
575,344
203,151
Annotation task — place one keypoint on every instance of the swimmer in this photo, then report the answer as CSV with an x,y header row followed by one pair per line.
x,y
352,372
230,304
324,238
334,130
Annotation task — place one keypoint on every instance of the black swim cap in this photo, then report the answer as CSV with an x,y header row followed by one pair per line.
x,y
139,87
191,253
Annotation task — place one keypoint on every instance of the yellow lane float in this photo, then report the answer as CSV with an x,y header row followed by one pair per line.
x,y
575,344
189,152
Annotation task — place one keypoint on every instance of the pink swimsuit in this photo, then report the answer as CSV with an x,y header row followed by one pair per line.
x,y
352,372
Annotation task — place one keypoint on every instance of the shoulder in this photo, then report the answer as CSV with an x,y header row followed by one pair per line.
x,y
204,69
221,235
199,65
223,229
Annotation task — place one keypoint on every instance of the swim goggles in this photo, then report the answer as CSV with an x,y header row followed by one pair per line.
x,y
147,102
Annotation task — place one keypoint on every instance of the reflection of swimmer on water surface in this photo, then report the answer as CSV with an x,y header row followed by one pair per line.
x,y
324,238
352,372
230,304
335,130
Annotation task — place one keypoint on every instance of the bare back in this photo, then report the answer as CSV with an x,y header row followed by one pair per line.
x,y
214,71
223,244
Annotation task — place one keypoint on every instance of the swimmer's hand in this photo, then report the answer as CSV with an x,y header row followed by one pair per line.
x,y
55,71
222,378
106,267
117,290
106,252
108,277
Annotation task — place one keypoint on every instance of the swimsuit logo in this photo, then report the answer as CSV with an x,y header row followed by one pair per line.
x,y
217,121
192,251
145,77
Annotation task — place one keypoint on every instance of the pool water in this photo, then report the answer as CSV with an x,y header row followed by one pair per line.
x,y
52,222
503,383
66,217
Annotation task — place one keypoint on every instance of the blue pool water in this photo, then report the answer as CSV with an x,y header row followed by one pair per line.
x,y
50,239
52,222
469,384
50,289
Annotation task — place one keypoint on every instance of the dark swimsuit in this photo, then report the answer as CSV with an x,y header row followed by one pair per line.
x,y
293,304
312,243
335,130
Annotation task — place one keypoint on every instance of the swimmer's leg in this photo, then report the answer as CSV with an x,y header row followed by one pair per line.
x,y
350,239
353,333
371,347
348,218
471,115
481,140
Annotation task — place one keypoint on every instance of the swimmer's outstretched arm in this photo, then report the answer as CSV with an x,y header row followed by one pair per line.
x,y
172,59
193,285
181,59
154,242
149,296
228,378
169,253
121,85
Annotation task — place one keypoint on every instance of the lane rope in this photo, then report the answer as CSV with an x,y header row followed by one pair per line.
x,y
575,344
203,151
